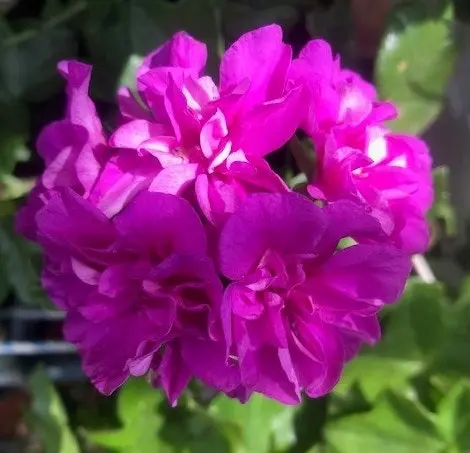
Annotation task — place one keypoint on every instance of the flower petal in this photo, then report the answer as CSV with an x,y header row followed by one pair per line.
x,y
80,109
132,134
213,370
318,356
129,108
71,222
173,373
103,362
181,50
260,58
368,272
162,224
268,222
174,179
267,127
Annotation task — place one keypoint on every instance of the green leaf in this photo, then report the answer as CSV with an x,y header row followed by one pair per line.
x,y
396,358
48,418
107,36
454,416
137,408
309,422
284,433
51,9
190,428
259,423
119,30
427,312
452,358
14,129
375,374
321,448
145,32
7,208
204,435
128,77
394,425
415,62
12,150
297,180
22,262
442,208
13,188
28,63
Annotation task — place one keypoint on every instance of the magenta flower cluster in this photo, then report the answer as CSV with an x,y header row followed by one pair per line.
x,y
178,253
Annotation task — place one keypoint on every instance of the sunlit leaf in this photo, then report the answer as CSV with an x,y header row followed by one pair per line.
x,y
137,408
48,418
453,357
259,423
415,62
375,374
454,416
128,76
394,425
427,315
394,360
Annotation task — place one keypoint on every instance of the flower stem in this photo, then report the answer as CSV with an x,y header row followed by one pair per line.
x,y
422,268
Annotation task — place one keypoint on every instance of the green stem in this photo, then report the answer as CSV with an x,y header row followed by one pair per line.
x,y
423,269
53,22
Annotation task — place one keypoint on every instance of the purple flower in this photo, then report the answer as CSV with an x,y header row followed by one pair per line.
x,y
338,99
139,230
297,308
390,173
74,149
357,157
131,284
209,140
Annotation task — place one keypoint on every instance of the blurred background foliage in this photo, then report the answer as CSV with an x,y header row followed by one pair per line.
x,y
410,394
